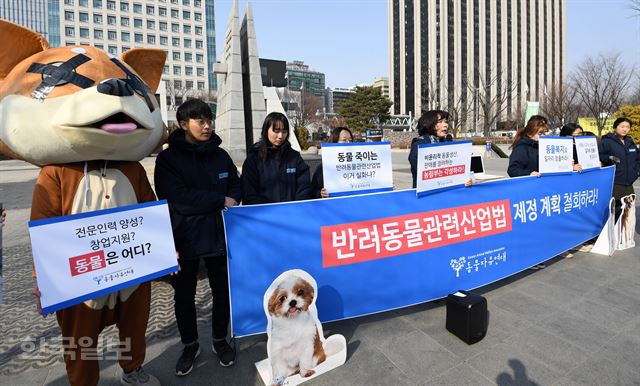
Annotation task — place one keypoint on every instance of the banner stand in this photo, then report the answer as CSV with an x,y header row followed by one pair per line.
x,y
606,242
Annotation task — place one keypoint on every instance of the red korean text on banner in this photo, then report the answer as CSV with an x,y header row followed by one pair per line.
x,y
361,241
443,172
87,263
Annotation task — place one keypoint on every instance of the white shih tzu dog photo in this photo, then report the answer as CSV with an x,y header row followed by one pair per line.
x,y
295,343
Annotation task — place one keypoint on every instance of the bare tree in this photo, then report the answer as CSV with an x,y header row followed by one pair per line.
x,y
560,104
634,97
601,83
459,107
490,101
306,113
429,97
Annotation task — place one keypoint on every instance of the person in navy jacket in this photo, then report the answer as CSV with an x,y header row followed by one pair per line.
x,y
199,180
433,127
273,171
523,160
618,148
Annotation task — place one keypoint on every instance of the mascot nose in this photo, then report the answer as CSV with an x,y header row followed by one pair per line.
x,y
115,87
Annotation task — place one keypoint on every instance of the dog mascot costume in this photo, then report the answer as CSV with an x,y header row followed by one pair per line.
x,y
87,118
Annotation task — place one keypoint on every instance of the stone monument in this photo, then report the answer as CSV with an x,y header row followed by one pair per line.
x,y
242,106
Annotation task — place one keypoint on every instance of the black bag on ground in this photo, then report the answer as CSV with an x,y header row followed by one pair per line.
x,y
467,316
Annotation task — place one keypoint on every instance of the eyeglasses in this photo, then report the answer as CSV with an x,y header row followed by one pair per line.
x,y
203,122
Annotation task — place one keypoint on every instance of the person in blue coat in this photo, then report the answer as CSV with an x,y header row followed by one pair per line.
x,y
198,179
273,171
618,148
433,127
523,160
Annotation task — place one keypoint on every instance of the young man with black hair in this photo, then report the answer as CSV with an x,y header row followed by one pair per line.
x,y
199,180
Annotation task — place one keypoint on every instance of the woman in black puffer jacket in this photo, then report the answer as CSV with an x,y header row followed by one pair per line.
x,y
523,160
624,151
273,171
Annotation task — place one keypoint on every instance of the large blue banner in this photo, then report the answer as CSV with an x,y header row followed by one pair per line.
x,y
383,251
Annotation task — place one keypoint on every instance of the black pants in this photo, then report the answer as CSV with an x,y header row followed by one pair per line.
x,y
620,191
184,286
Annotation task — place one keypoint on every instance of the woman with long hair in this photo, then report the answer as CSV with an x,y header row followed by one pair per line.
x,y
523,160
273,171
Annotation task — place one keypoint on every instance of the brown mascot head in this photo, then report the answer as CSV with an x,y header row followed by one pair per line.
x,y
76,103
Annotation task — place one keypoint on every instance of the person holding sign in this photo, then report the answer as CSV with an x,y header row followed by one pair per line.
x,y
433,127
572,130
618,148
338,135
273,171
523,160
199,180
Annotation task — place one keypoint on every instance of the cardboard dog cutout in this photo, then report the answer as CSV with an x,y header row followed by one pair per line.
x,y
626,224
76,103
86,117
296,345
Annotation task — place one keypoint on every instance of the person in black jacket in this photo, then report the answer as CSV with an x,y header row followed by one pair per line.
x,y
573,130
199,180
433,126
338,135
523,160
618,148
273,171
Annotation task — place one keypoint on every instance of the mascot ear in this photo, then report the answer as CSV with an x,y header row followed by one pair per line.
x,y
148,63
18,43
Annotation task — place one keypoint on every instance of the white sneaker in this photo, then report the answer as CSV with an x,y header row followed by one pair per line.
x,y
138,377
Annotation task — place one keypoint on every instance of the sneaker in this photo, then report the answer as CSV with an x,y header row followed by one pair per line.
x,y
138,377
538,266
225,353
585,248
187,359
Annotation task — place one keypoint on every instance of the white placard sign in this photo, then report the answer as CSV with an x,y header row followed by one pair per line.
x,y
442,166
87,255
555,155
356,168
587,149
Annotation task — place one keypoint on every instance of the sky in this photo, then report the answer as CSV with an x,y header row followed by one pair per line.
x,y
347,40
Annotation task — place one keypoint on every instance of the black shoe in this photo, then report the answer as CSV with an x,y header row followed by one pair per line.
x,y
187,359
225,353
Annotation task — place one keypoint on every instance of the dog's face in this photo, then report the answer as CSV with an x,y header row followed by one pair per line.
x,y
293,296
76,103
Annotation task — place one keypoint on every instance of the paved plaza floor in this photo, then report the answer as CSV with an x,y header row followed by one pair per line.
x,y
577,322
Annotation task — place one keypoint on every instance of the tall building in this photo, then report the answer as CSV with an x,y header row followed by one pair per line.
x,y
31,14
334,97
185,29
445,53
382,82
301,75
